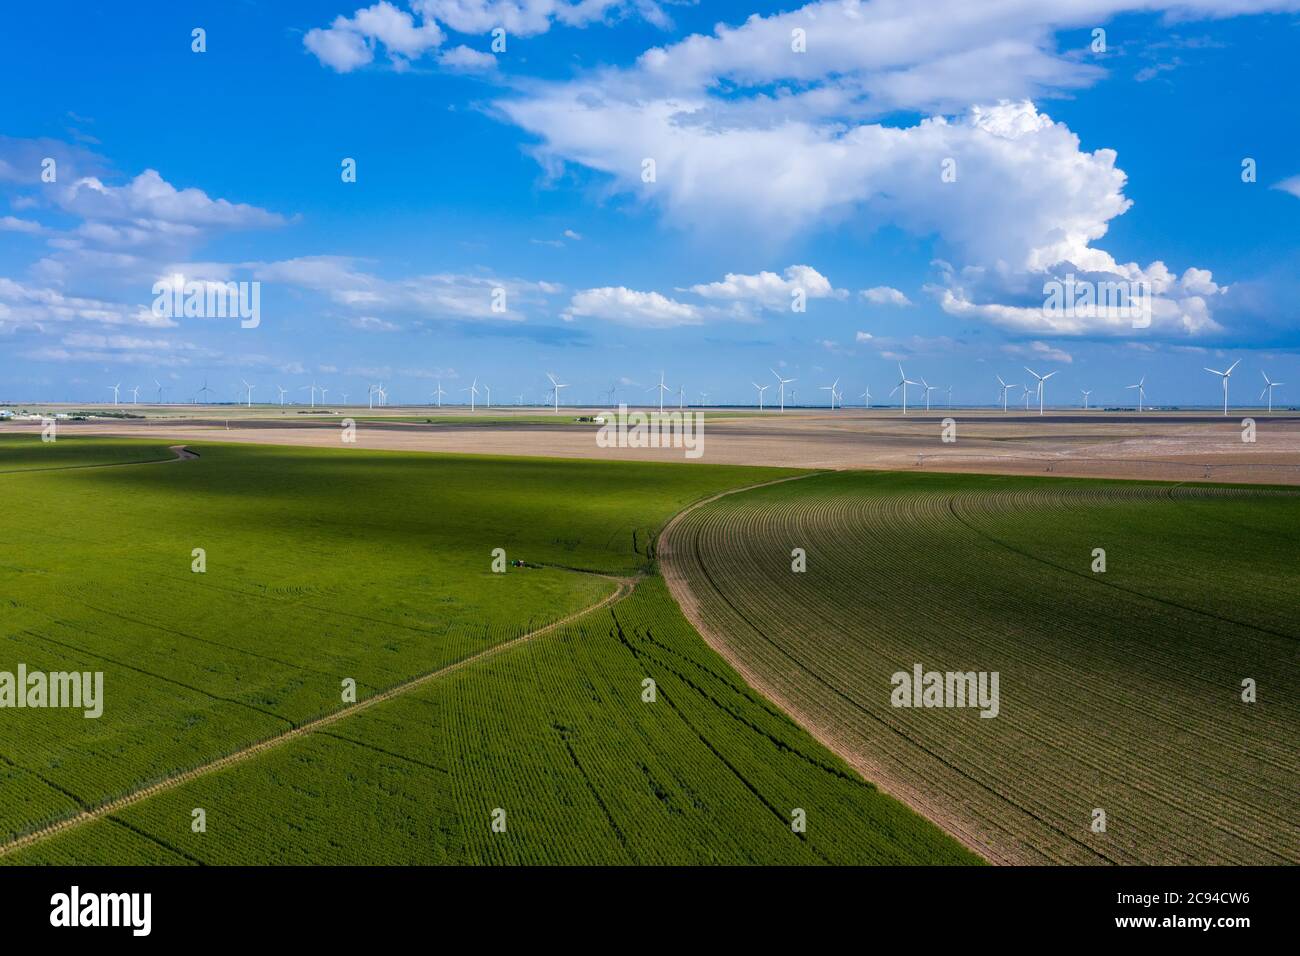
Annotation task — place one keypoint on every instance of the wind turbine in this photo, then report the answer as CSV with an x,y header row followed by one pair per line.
x,y
950,396
681,396
488,389
1224,376
383,394
439,393
703,396
830,388
282,392
135,394
1086,393
473,393
204,390
928,389
661,387
1026,391
1003,388
323,392
1268,387
160,390
312,387
1142,392
370,396
114,389
761,390
903,382
1042,383
866,397
345,398
250,393
783,382
556,386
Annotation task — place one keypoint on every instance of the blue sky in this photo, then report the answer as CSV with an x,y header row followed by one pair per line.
x,y
778,172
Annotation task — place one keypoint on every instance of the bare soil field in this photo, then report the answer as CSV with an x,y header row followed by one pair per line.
x,y
1178,446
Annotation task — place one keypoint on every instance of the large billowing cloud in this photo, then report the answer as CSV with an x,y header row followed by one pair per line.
x,y
774,129
1024,193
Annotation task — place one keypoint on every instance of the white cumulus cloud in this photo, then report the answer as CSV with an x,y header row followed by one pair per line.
x,y
623,306
350,42
885,295
768,290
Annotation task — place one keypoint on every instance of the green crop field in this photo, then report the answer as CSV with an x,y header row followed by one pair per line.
x,y
326,565
1120,690
29,453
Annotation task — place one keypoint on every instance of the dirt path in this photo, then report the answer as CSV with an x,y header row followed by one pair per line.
x,y
625,587
822,731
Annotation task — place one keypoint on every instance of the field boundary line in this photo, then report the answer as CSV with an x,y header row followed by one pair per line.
x,y
625,587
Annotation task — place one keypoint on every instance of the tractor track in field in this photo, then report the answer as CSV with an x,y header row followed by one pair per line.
x,y
91,814
181,453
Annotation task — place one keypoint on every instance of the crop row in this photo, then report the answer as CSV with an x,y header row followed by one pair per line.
x,y
1119,690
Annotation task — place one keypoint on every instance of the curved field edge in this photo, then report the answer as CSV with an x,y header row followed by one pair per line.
x,y
1120,690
